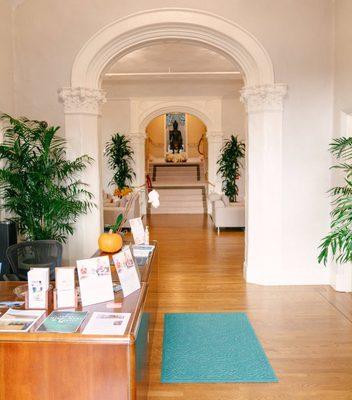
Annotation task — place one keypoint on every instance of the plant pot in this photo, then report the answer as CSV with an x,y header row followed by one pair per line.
x,y
343,278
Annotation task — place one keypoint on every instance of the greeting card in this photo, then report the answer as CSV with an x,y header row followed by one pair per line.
x,y
95,280
127,271
137,230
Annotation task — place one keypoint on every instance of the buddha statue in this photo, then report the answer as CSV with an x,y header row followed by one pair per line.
x,y
175,139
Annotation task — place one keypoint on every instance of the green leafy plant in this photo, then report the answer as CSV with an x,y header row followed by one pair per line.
x,y
339,240
120,158
230,163
39,186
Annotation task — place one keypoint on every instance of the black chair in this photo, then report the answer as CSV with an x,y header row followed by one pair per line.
x,y
37,254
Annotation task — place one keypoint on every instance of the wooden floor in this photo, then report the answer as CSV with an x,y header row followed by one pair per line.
x,y
305,331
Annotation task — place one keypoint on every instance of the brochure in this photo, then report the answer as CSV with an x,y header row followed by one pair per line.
x,y
105,323
127,271
19,320
95,280
38,284
137,229
63,321
65,287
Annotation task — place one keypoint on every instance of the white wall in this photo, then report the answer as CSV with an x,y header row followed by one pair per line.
x,y
298,37
343,63
6,58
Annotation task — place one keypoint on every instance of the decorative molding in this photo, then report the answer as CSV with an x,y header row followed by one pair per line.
x,y
81,100
123,35
263,98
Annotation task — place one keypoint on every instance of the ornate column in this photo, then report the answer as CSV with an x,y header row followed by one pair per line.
x,y
138,145
264,221
215,142
82,107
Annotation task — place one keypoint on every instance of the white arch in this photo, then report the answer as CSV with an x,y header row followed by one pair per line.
x,y
181,109
133,31
264,103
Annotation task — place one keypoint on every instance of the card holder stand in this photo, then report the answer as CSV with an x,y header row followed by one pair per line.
x,y
48,301
55,300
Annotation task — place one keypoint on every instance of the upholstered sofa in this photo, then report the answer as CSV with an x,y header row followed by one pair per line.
x,y
225,214
113,207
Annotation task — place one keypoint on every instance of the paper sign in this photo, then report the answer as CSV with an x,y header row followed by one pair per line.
x,y
95,280
105,323
137,229
127,271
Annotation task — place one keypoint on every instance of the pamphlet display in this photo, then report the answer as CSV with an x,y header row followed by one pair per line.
x,y
19,320
65,295
38,286
137,230
105,323
142,252
95,280
127,271
63,321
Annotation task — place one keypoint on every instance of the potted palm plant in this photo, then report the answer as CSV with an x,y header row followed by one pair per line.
x,y
39,186
230,162
338,243
120,157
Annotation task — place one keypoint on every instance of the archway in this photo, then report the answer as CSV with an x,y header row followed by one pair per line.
x,y
263,99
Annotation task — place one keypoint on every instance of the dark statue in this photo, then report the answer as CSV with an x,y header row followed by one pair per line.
x,y
175,139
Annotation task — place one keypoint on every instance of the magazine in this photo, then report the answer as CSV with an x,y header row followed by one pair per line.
x,y
105,323
63,321
19,320
95,280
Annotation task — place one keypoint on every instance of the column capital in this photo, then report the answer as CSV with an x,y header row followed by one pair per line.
x,y
80,100
215,136
263,97
136,137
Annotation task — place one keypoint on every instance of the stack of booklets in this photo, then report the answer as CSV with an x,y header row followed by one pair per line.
x,y
19,320
63,321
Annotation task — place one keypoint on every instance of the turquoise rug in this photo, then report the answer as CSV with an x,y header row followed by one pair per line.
x,y
219,347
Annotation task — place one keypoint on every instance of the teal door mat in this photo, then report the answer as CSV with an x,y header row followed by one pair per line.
x,y
212,348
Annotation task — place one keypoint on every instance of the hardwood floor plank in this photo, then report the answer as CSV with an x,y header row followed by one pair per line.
x,y
306,331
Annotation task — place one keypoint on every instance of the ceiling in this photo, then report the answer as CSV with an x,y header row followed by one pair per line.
x,y
173,59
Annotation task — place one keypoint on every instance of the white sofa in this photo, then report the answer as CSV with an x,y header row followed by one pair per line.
x,y
225,214
113,207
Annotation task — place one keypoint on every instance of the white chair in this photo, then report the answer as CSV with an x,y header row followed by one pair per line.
x,y
225,214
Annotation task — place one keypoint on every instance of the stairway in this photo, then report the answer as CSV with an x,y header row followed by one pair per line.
x,y
181,188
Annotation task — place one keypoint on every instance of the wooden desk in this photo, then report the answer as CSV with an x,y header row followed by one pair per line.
x,y
55,366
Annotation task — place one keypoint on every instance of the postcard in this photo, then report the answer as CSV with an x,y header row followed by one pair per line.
x,y
105,323
38,284
63,321
95,280
137,229
19,320
127,271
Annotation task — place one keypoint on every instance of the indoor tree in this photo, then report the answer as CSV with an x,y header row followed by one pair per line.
x,y
39,186
339,240
230,162
120,157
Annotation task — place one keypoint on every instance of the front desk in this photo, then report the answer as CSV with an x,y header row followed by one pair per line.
x,y
56,366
